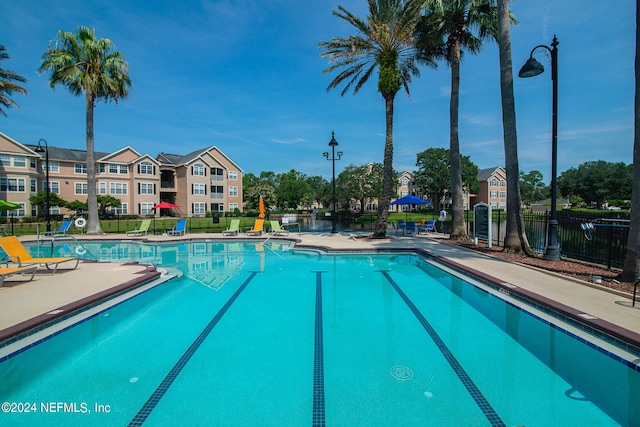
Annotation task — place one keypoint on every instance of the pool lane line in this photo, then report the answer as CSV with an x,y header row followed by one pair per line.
x,y
482,402
318,359
159,392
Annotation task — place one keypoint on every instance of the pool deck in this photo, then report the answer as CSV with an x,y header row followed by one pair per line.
x,y
24,305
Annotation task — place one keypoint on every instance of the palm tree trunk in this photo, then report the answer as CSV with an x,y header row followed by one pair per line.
x,y
515,239
387,170
631,270
458,230
93,225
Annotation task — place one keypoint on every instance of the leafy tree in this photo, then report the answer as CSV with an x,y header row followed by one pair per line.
x,y
532,187
40,201
463,25
77,206
515,238
291,187
84,64
433,177
360,183
385,41
8,84
106,202
631,269
597,181
260,188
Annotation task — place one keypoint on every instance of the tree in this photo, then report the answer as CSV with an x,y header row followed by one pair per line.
x,y
260,188
433,177
40,201
106,202
462,24
532,187
84,64
597,181
8,85
631,269
515,238
386,42
360,183
291,188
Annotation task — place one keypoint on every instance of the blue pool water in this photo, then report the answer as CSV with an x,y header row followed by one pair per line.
x,y
263,335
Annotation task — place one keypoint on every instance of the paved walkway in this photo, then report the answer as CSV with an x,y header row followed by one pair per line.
x,y
25,303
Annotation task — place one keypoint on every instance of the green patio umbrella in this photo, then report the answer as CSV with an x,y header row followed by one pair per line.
x,y
9,206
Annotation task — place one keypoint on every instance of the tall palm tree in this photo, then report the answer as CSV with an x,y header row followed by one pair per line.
x,y
84,64
462,25
631,270
385,41
7,85
516,238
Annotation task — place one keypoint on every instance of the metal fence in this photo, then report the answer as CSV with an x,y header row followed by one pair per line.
x,y
600,237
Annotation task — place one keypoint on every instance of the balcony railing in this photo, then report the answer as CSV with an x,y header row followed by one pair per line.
x,y
217,196
167,184
217,178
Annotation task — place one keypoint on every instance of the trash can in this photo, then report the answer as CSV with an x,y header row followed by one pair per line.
x,y
216,219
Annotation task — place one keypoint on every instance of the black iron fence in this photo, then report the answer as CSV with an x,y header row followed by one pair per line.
x,y
599,237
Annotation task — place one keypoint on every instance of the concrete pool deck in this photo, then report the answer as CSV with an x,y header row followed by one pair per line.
x,y
24,305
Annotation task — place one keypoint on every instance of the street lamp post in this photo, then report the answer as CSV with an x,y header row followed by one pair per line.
x,y
45,150
333,144
530,69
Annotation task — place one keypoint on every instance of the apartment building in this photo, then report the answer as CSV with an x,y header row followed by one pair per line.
x,y
493,188
199,182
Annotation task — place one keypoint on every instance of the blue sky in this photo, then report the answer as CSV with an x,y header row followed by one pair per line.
x,y
246,76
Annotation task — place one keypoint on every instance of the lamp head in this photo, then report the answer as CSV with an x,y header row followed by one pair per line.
x,y
325,154
333,141
531,68
339,154
39,149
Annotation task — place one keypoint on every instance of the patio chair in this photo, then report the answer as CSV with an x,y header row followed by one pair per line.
x,y
20,255
233,229
428,227
257,229
63,228
180,228
10,271
400,226
409,228
277,230
142,230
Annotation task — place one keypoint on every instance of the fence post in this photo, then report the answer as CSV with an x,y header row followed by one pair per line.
x,y
610,239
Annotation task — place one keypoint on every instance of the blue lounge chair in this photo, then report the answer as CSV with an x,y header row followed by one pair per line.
x,y
180,228
428,227
63,228
409,228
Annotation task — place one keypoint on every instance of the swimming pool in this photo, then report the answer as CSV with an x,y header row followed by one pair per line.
x,y
261,334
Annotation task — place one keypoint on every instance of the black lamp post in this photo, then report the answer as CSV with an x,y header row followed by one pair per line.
x,y
529,69
45,150
333,144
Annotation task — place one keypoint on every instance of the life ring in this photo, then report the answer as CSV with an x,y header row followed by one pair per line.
x,y
80,250
80,222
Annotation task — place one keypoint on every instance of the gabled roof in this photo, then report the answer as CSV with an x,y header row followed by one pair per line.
x,y
181,160
485,174
20,147
111,156
67,154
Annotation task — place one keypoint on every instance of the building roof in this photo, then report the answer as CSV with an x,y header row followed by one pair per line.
x,y
67,154
485,174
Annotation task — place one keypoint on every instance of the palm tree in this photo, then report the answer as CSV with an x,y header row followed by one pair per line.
x,y
516,238
461,24
7,85
631,270
385,41
84,64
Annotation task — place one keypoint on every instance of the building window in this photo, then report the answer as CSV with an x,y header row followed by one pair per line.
x,y
404,182
233,207
53,167
122,210
19,162
217,174
33,163
34,186
199,189
233,175
146,168
494,194
13,184
117,188
503,205
5,160
503,183
102,168
198,169
503,194
81,188
494,205
80,168
146,188
199,208
102,188
494,182
233,191
217,192
146,208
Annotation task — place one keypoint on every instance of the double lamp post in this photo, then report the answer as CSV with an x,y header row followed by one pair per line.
x,y
530,69
333,144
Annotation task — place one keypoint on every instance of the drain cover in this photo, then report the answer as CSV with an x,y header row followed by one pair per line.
x,y
401,373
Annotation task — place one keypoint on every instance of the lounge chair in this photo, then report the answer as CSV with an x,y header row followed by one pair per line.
x,y
63,228
180,228
257,229
10,271
20,255
142,230
233,229
426,228
277,230
409,228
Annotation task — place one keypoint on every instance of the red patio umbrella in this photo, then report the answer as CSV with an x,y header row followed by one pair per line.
x,y
166,205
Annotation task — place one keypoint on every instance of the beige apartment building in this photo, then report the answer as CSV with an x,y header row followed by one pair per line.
x,y
199,182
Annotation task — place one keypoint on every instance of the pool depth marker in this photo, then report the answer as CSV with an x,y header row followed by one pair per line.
x,y
155,397
482,402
